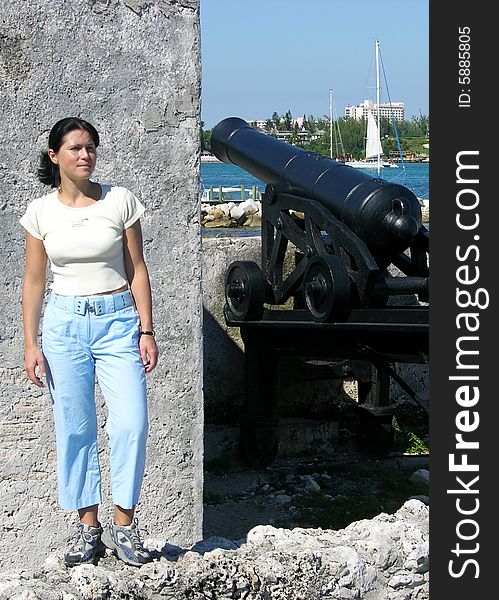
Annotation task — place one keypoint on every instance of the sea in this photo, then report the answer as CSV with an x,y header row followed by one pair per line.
x,y
414,176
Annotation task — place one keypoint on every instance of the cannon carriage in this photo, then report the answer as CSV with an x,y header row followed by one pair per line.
x,y
358,245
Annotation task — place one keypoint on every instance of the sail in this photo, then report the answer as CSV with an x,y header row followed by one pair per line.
x,y
373,143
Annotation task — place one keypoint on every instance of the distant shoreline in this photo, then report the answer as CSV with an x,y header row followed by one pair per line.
x,y
210,158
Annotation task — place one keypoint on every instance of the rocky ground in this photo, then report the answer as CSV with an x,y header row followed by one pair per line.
x,y
341,527
311,492
383,558
321,477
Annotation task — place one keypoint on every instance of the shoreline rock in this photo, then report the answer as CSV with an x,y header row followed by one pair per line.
x,y
425,210
231,214
386,558
249,214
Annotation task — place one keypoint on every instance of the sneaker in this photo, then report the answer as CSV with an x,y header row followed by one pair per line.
x,y
84,546
125,541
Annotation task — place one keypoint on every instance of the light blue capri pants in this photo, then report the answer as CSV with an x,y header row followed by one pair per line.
x,y
84,336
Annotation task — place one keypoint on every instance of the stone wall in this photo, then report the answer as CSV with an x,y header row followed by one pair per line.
x,y
223,347
132,68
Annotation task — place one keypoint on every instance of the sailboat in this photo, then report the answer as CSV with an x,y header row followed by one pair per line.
x,y
374,151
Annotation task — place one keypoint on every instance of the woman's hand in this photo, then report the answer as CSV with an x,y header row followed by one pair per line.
x,y
33,362
148,352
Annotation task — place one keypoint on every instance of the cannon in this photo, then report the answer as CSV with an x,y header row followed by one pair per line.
x,y
358,245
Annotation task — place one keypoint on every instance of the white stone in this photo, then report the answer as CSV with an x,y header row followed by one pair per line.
x,y
249,207
283,499
237,211
310,485
225,208
420,476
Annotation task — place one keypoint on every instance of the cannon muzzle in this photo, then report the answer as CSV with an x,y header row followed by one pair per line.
x,y
386,216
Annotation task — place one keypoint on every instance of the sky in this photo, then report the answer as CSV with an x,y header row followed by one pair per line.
x,y
265,56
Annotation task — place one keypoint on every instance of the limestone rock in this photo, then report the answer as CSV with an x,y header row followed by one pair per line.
x,y
420,476
385,557
253,220
310,485
221,222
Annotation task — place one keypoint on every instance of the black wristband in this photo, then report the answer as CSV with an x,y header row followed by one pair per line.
x,y
147,333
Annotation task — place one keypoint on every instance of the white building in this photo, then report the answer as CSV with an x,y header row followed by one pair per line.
x,y
262,123
385,110
258,123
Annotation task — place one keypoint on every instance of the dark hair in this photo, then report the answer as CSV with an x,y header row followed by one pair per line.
x,y
48,172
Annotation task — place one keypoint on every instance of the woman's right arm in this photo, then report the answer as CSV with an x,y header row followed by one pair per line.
x,y
32,298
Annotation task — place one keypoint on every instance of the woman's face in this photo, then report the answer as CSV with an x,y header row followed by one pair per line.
x,y
77,155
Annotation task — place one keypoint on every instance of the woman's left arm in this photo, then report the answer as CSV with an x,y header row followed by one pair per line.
x,y
138,278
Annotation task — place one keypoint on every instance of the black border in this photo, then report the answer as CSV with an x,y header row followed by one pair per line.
x,y
454,129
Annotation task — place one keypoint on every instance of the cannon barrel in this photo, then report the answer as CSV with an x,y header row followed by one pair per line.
x,y
385,215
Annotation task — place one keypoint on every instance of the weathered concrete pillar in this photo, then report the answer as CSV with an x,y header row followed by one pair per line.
x,y
132,68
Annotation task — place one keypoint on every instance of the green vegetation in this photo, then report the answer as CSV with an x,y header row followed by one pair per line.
x,y
416,445
205,139
367,494
314,135
410,443
409,436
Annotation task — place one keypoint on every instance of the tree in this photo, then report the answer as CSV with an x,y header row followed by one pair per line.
x,y
205,139
353,134
412,134
294,137
201,136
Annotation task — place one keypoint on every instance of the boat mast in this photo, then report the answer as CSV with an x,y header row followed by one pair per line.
x,y
334,130
331,123
377,100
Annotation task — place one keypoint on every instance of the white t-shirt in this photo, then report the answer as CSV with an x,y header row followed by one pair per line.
x,y
84,245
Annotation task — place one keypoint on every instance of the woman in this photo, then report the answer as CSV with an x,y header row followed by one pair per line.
x,y
97,322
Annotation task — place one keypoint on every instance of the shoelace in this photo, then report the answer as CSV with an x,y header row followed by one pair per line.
x,y
80,537
135,532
